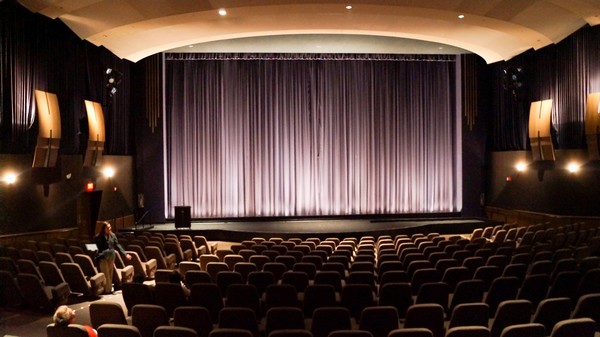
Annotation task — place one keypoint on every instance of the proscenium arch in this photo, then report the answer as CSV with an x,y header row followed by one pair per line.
x,y
493,40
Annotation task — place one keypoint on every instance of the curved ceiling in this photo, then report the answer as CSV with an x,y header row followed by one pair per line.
x,y
496,30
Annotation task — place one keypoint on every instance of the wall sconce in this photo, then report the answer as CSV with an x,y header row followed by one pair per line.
x,y
108,172
521,166
9,178
573,167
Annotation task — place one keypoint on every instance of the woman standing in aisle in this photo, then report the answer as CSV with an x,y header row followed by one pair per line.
x,y
108,245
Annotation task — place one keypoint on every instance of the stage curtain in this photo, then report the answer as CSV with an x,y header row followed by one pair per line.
x,y
311,136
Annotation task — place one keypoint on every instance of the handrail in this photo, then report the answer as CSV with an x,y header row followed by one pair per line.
x,y
16,235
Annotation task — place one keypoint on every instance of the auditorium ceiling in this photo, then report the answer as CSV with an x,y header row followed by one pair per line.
x,y
496,30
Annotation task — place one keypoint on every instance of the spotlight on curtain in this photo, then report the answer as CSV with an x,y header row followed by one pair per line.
x,y
113,79
513,79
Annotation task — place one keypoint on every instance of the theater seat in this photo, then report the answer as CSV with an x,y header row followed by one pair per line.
x,y
40,296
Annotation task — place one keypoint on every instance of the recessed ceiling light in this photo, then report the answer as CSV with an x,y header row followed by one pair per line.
x,y
349,7
222,12
191,46
461,16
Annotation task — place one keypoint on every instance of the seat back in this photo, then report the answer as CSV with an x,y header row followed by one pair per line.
x,y
170,296
524,330
467,291
510,313
379,321
551,311
147,317
121,330
280,318
76,279
50,273
102,312
28,267
62,257
580,327
153,252
316,296
207,295
502,289
193,317
136,293
86,264
71,330
174,331
356,297
9,265
398,295
587,306
37,296
244,296
10,291
328,319
239,318
470,314
430,316
281,295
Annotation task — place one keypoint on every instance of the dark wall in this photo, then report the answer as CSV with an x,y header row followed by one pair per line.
x,y
55,198
37,53
545,188
566,73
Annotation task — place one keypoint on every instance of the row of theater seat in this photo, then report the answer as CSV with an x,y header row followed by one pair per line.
x,y
513,319
367,249
376,267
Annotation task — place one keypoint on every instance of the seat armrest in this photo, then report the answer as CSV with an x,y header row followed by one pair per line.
x,y
127,274
151,266
171,260
97,283
187,255
61,292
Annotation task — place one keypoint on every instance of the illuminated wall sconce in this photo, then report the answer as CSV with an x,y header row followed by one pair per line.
x,y
9,178
108,172
573,167
521,166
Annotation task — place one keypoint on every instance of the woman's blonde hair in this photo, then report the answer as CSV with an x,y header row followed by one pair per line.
x,y
63,315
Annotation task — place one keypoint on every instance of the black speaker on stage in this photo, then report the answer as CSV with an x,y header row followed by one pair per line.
x,y
183,217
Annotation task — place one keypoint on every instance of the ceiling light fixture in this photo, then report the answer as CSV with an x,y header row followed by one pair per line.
x,y
461,16
349,7
222,12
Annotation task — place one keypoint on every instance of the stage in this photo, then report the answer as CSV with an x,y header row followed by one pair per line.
x,y
239,230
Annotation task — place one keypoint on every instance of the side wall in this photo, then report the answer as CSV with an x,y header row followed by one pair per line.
x,y
47,201
549,188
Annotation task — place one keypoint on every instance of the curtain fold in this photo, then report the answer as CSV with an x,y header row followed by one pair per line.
x,y
251,137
